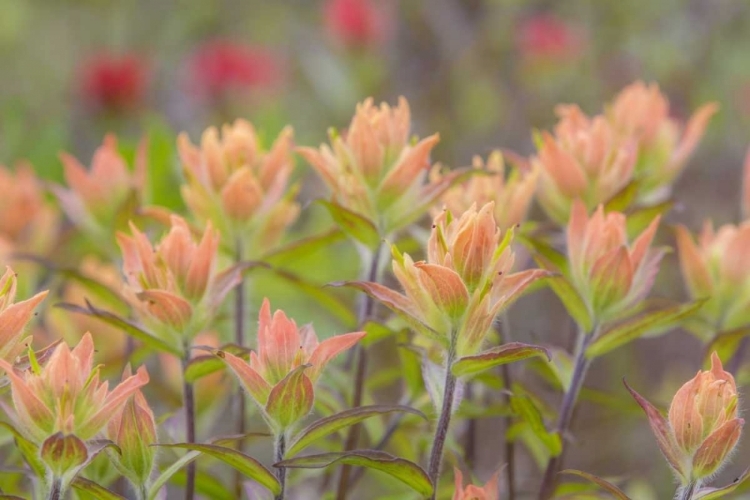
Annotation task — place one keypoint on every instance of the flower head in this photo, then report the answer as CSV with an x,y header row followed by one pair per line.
x,y
175,286
289,360
512,195
545,36
114,82
584,159
375,171
244,189
703,427
13,319
97,199
66,395
490,491
354,23
219,67
717,268
641,112
610,274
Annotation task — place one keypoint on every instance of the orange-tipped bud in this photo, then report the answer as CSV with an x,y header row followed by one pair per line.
x,y
640,112
703,427
66,395
238,186
512,195
281,373
374,170
717,268
584,159
175,285
610,274
490,491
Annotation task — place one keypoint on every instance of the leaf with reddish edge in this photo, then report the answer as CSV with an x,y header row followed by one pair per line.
x,y
122,323
202,366
10,497
63,454
291,399
244,464
355,225
611,488
404,470
94,490
327,426
507,353
649,323
662,431
707,493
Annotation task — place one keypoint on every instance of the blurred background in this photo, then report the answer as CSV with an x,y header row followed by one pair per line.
x,y
483,73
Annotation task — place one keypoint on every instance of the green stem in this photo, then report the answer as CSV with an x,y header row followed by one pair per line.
x,y
239,338
56,489
189,404
580,367
687,492
443,425
280,450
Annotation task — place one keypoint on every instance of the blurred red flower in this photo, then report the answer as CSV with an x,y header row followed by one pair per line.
x,y
547,36
220,66
354,22
114,82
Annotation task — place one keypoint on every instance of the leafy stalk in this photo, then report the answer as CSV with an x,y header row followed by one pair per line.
x,y
279,451
189,404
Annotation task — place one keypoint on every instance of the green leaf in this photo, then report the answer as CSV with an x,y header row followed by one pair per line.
x,y
206,484
573,302
327,426
202,366
247,466
28,450
507,353
94,490
651,323
623,198
130,328
301,248
353,224
340,309
553,259
170,471
714,493
291,399
405,471
611,488
525,409
725,343
639,219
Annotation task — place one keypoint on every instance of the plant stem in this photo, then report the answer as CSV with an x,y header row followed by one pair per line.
x,y
281,471
510,446
55,492
189,403
365,311
239,339
470,446
580,367
686,492
441,431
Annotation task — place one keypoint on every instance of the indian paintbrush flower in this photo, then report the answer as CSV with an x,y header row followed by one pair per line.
x,y
702,428
114,82
640,112
174,285
717,268
610,274
234,183
512,195
354,23
281,374
585,159
490,491
13,319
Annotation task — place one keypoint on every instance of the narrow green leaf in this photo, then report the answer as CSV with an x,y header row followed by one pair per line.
x,y
715,493
405,471
353,224
29,450
554,260
94,490
170,471
246,465
650,323
327,426
639,219
526,411
725,343
302,248
573,302
130,328
202,366
507,353
333,304
206,484
611,488
623,198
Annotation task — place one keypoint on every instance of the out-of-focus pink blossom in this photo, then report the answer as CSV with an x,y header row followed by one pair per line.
x,y
546,36
354,23
114,82
221,66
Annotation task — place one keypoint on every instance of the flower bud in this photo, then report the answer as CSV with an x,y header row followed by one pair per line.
x,y
490,491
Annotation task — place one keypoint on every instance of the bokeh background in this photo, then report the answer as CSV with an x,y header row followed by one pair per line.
x,y
483,73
